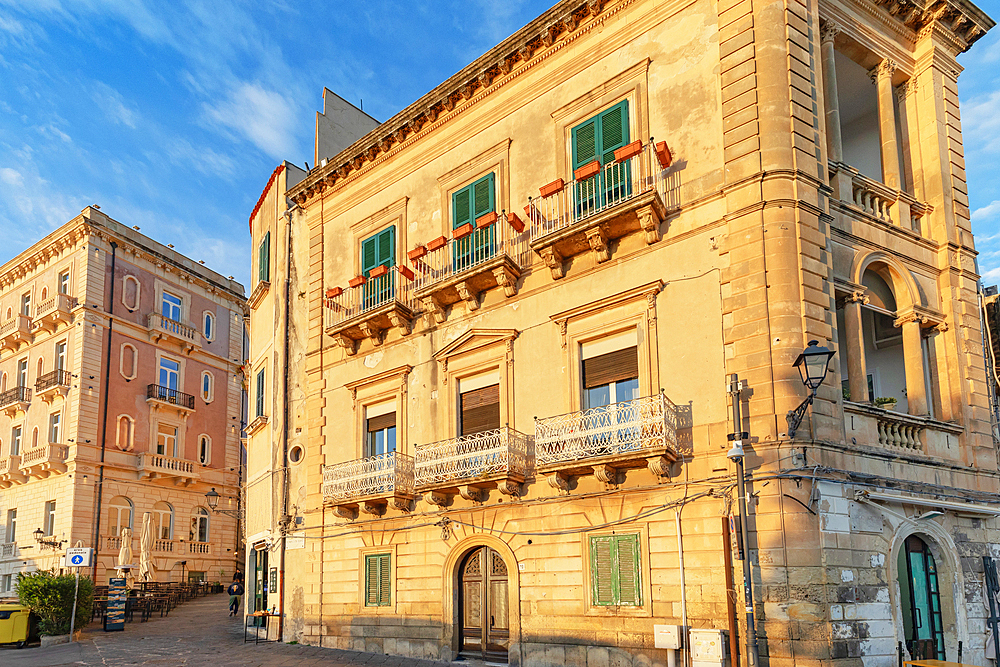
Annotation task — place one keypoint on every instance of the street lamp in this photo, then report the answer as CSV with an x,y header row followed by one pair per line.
x,y
213,504
40,538
813,364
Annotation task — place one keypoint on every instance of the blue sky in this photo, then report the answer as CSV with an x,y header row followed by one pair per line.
x,y
172,115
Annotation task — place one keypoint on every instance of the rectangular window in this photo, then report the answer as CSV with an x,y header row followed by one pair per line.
x,y
467,205
377,584
50,518
380,429
61,356
22,373
170,307
64,282
26,304
614,568
12,525
611,378
54,421
15,441
597,139
264,259
169,374
261,375
166,440
480,409
7,579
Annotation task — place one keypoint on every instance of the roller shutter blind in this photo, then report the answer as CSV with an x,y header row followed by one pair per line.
x,y
377,583
381,422
611,367
481,410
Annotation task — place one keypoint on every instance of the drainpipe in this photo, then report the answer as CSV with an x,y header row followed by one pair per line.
x,y
284,424
104,417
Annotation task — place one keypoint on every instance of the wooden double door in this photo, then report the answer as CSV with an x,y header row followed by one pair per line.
x,y
483,606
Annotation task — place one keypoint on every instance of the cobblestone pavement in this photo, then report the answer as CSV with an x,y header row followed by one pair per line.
x,y
198,633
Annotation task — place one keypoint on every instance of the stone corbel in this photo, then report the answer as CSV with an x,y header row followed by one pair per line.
x,y
432,306
472,493
554,261
558,481
345,512
437,498
468,294
506,279
906,318
374,507
858,297
372,332
659,466
400,322
598,241
401,503
509,487
607,474
650,223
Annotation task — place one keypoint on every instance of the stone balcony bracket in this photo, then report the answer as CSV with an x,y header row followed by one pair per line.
x,y
257,424
259,292
370,308
10,471
15,332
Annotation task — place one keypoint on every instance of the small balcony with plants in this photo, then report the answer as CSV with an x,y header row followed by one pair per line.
x,y
370,306
602,440
369,484
481,255
603,202
471,465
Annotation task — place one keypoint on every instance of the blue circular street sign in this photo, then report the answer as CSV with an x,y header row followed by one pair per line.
x,y
77,559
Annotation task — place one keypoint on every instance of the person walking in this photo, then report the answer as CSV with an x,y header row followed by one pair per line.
x,y
235,591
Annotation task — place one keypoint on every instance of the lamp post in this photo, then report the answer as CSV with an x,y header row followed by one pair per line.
x,y
213,504
40,538
813,364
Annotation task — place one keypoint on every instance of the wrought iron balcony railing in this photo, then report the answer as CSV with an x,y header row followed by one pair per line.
x,y
52,379
384,299
18,397
384,476
501,454
631,430
167,395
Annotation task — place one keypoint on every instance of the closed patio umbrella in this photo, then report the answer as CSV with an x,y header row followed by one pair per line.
x,y
146,549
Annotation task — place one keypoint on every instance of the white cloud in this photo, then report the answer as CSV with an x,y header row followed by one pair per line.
x,y
982,122
986,212
51,130
264,117
205,160
30,206
113,105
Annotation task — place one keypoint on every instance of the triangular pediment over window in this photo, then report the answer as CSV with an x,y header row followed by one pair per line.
x,y
475,339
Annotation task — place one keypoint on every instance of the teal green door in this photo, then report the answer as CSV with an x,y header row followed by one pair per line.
x,y
921,601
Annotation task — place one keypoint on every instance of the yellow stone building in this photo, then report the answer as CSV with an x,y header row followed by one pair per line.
x,y
512,313
120,399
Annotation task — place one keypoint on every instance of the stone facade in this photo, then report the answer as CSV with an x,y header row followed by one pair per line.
x,y
493,402
148,426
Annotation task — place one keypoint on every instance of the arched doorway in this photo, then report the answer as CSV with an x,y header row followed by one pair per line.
x,y
483,606
920,599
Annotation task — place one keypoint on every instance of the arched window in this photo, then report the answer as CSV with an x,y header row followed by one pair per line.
x,y
199,525
45,293
163,520
119,515
130,292
127,361
209,321
3,382
126,433
207,387
10,313
204,449
34,437
40,370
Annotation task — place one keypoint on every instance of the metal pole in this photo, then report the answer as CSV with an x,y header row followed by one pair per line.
x,y
76,593
737,455
992,587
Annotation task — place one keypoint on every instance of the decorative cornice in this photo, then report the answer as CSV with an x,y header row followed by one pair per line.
x,y
964,21
548,33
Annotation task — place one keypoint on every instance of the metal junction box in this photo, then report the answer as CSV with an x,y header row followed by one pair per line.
x,y
709,648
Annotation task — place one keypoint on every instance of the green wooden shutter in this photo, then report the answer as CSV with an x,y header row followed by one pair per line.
x,y
461,207
377,584
386,255
483,196
584,143
613,131
369,255
602,570
264,258
627,561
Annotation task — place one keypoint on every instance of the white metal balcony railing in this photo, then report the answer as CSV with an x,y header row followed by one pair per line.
x,y
374,477
632,427
480,456
464,255
177,329
617,182
374,293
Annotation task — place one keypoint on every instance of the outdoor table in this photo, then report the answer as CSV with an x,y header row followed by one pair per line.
x,y
267,616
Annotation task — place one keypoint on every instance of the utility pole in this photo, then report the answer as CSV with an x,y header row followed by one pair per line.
x,y
737,454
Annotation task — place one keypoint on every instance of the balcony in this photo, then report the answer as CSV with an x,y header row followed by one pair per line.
x,y
113,544
259,422
158,466
875,201
372,482
10,471
44,460
602,440
474,261
52,384
8,550
163,546
15,332
899,432
471,464
15,400
161,327
370,306
203,548
159,396
601,204
53,311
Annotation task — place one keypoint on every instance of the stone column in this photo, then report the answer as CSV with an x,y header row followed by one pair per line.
x,y
857,369
913,362
882,76
834,143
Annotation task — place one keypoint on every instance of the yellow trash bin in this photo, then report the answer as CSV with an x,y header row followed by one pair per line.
x,y
13,624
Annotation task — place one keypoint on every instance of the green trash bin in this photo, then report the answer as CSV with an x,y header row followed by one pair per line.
x,y
14,624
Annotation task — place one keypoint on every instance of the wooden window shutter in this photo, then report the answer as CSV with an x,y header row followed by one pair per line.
x,y
387,247
369,255
611,367
602,571
381,422
377,584
384,587
613,131
461,207
481,410
264,259
483,196
627,562
584,143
